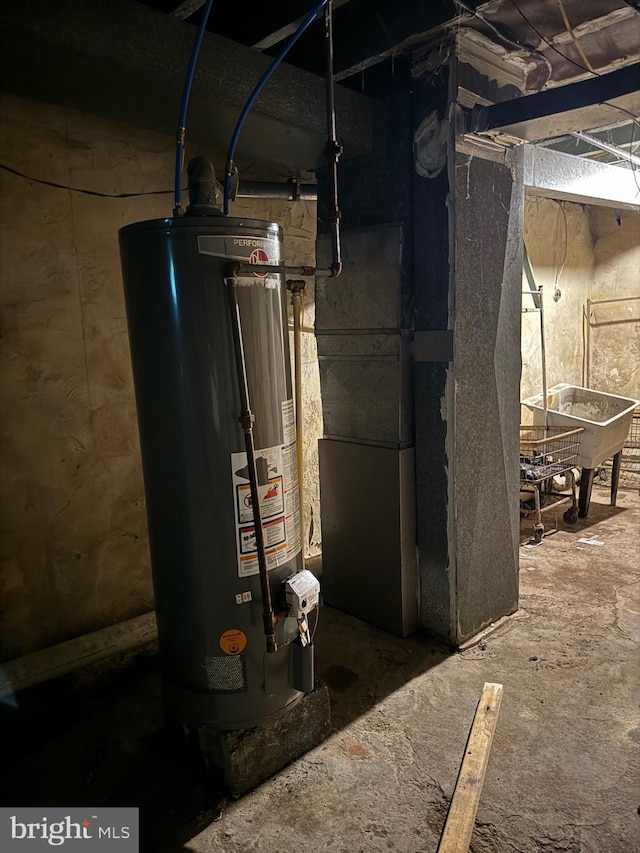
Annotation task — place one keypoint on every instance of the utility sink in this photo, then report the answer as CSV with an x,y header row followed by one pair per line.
x,y
606,419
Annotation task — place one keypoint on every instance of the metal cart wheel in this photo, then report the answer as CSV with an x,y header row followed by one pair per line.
x,y
538,527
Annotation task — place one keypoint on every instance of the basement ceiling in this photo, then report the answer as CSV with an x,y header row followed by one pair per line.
x,y
546,43
555,42
532,45
126,59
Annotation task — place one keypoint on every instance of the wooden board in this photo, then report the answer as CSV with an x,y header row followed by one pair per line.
x,y
458,827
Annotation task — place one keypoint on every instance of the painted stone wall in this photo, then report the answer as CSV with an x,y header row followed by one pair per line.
x,y
615,330
560,246
595,258
72,517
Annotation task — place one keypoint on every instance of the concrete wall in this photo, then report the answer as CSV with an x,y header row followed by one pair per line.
x,y
594,258
74,539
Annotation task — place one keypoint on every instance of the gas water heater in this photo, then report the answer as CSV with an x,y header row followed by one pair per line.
x,y
190,320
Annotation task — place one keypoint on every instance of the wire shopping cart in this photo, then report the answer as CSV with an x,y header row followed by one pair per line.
x,y
548,458
630,458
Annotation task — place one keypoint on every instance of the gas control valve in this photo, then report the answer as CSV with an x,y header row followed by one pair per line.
x,y
302,593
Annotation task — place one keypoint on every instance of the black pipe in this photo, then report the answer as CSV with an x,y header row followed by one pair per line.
x,y
291,190
246,420
203,188
246,269
333,149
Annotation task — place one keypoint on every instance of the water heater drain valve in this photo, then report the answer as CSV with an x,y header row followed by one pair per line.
x,y
302,592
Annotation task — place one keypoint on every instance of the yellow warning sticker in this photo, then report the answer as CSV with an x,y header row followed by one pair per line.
x,y
233,642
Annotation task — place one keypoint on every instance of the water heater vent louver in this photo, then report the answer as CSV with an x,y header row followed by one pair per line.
x,y
224,674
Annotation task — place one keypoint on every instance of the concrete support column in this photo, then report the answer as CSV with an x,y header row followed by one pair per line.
x,y
467,282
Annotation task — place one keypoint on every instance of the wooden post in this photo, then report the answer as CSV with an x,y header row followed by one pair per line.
x,y
458,827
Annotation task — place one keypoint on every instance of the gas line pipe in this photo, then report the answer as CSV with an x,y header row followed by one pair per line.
x,y
247,420
296,288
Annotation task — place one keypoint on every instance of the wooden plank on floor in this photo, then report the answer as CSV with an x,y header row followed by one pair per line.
x,y
458,827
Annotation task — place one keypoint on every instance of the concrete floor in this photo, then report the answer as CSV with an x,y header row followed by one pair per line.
x,y
564,772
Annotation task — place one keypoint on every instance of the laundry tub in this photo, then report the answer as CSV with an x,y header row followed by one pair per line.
x,y
606,419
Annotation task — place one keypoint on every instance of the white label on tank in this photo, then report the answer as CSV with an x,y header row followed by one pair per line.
x,y
279,505
288,422
290,463
292,509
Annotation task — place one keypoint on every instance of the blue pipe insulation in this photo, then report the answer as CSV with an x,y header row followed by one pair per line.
x,y
184,105
252,98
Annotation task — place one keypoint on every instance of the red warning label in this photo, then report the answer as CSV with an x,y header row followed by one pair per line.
x,y
259,256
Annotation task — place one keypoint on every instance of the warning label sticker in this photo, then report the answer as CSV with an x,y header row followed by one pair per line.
x,y
274,534
279,502
271,500
233,642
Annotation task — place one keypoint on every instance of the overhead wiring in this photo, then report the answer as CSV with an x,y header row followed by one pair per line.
x,y
81,190
560,268
579,65
574,37
512,42
634,170
550,43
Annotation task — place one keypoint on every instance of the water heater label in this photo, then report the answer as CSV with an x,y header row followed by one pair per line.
x,y
279,504
240,247
274,535
271,500
290,463
288,422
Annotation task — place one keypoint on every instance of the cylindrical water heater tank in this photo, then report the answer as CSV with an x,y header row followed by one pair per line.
x,y
215,666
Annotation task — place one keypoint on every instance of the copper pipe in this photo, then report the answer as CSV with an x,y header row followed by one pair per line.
x,y
296,286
